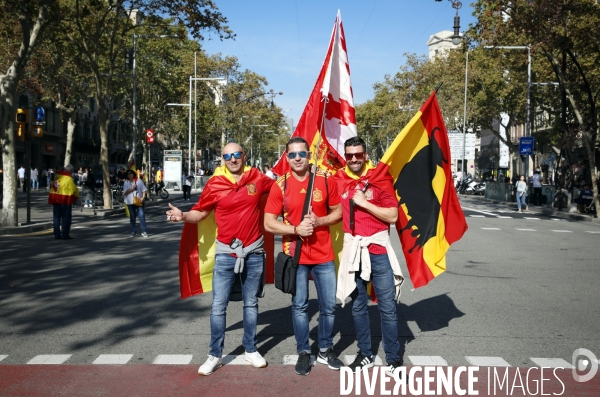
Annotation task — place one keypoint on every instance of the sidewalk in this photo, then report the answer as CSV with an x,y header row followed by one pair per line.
x,y
545,210
41,211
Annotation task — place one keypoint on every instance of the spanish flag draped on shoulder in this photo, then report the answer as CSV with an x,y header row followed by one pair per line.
x,y
430,218
198,241
328,119
63,189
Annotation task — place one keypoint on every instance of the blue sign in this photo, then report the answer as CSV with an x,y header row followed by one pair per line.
x,y
526,146
38,113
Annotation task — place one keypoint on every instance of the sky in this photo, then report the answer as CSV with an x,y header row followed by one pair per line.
x,y
286,40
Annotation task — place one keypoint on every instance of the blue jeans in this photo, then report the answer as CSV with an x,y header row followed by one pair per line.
x,y
325,283
35,184
223,278
519,198
382,278
139,211
61,219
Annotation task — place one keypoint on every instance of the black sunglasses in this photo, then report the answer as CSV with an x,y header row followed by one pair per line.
x,y
236,155
359,156
292,155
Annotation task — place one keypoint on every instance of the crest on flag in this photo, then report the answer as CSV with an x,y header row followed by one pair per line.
x,y
328,119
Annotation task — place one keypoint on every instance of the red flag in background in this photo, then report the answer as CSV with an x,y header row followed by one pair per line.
x,y
430,218
329,113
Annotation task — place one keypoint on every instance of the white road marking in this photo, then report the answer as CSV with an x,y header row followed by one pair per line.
x,y
351,357
479,361
173,359
235,360
531,219
427,360
49,359
113,359
527,230
552,362
2,357
477,216
593,232
481,212
290,359
505,217
490,228
561,231
556,219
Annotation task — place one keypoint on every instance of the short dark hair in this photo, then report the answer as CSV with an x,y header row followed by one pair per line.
x,y
131,172
296,139
355,141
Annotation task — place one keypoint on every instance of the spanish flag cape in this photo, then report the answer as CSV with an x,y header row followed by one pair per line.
x,y
198,241
63,189
430,218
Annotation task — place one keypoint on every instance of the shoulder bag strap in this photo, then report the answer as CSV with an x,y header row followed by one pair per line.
x,y
304,212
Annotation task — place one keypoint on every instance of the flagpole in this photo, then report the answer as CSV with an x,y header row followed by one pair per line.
x,y
324,99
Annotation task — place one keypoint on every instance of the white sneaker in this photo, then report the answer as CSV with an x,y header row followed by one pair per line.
x,y
211,364
256,360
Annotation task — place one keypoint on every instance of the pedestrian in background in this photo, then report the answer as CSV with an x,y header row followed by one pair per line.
x,y
33,174
536,180
134,191
521,188
21,175
63,194
186,185
79,176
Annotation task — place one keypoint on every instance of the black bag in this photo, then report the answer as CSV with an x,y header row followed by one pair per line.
x,y
286,266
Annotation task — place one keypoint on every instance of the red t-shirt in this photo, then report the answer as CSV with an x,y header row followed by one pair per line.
x,y
317,248
365,223
238,214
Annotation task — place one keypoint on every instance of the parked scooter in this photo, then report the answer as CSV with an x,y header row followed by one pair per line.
x,y
159,189
479,189
464,184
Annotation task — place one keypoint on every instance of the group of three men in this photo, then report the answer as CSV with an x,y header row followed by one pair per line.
x,y
348,194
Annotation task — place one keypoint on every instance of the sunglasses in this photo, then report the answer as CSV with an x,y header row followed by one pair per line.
x,y
359,156
236,155
292,155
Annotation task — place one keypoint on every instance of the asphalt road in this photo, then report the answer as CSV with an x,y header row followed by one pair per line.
x,y
518,286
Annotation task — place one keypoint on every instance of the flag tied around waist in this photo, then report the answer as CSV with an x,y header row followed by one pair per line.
x,y
430,218
63,189
198,241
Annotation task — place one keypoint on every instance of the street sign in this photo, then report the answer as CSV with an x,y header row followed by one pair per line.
x,y
172,152
456,146
526,145
39,113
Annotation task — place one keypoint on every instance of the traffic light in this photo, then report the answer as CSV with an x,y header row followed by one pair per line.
x,y
37,131
149,136
129,58
21,123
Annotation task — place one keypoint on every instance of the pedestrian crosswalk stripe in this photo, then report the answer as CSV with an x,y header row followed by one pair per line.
x,y
113,359
427,360
49,359
531,219
291,359
351,357
173,359
551,362
561,231
505,217
477,216
2,357
593,232
527,230
235,360
479,361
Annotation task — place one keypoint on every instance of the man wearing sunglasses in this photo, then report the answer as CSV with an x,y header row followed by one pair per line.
x,y
369,207
287,197
234,193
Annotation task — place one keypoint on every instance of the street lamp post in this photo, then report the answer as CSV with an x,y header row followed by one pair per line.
x,y
463,168
134,120
527,125
252,139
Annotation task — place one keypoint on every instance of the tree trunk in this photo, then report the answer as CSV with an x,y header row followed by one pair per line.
x,y
70,133
104,151
8,85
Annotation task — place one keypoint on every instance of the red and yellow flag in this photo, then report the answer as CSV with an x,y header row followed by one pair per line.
x,y
328,119
430,218
63,189
198,241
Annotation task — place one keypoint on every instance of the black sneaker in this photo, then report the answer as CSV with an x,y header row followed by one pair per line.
x,y
361,362
303,365
393,366
330,359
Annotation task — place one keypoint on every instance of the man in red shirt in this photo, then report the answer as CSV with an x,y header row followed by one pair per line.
x,y
287,197
234,193
369,207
